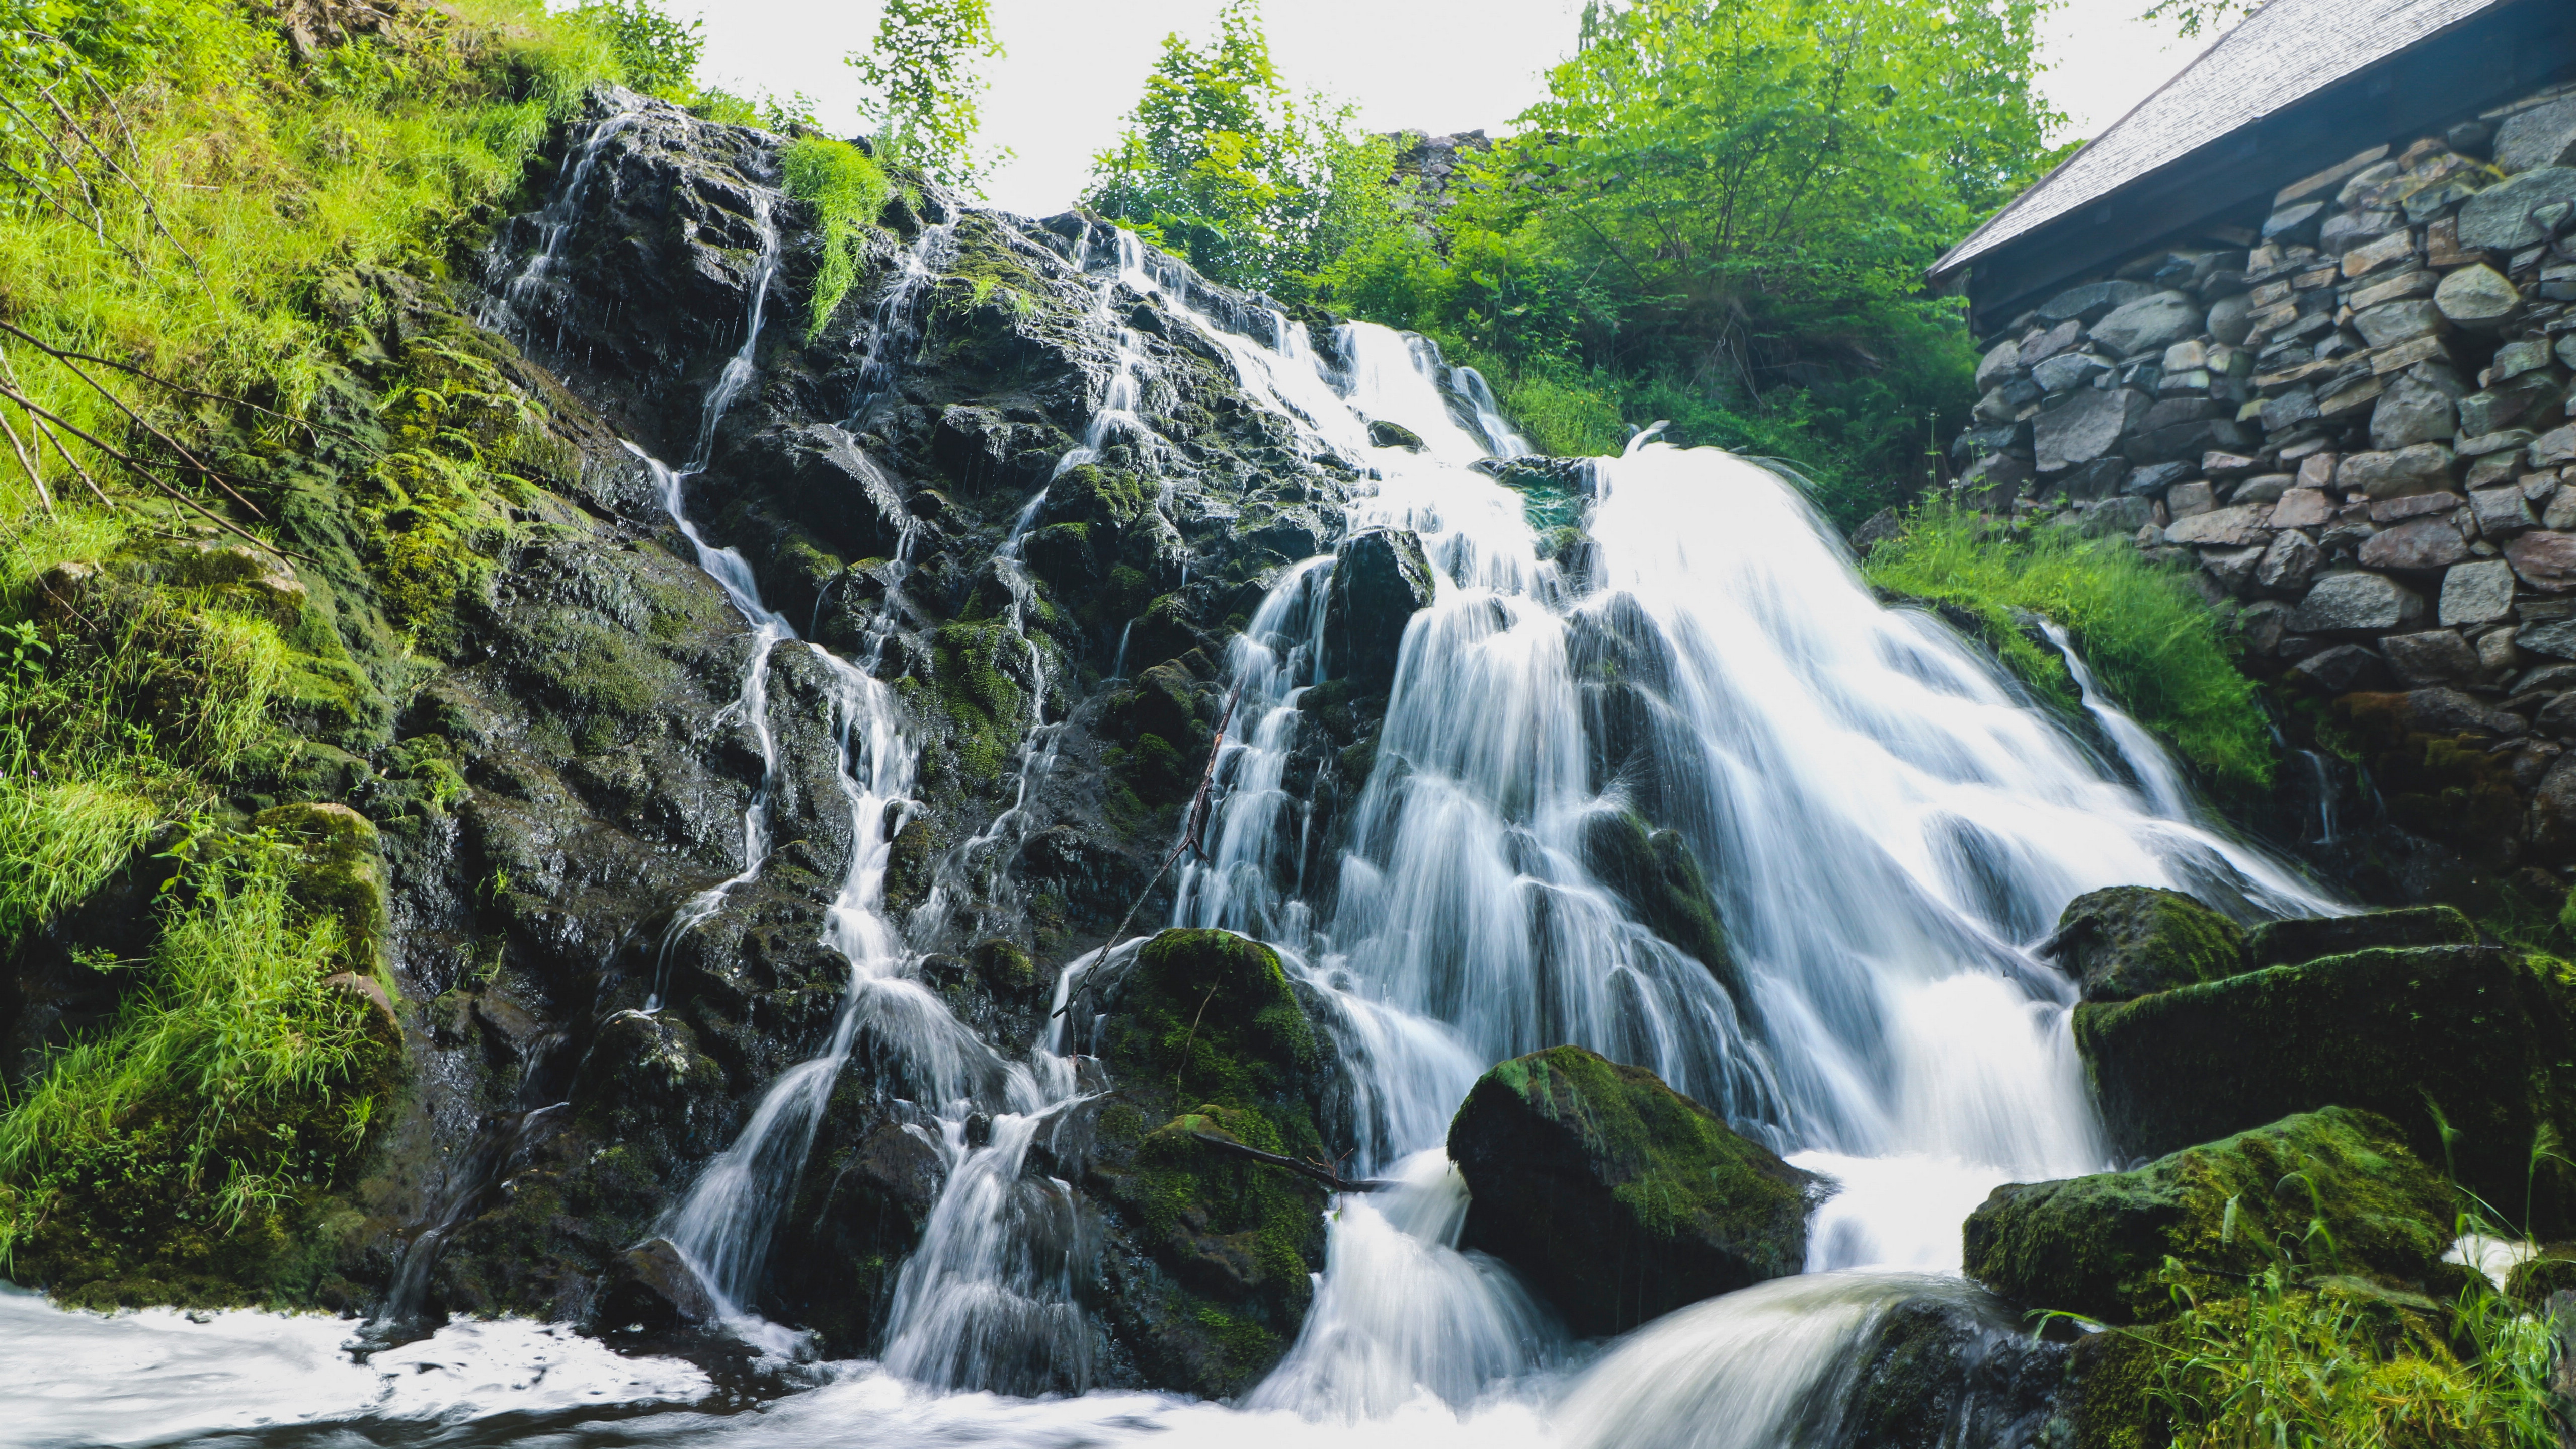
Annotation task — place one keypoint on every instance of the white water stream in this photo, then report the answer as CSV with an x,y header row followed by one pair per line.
x,y
1886,822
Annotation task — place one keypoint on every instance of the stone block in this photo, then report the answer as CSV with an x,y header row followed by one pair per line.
x,y
2115,517
2419,545
2091,301
2411,411
2510,441
2183,500
2423,468
2295,225
2544,135
1998,364
2262,488
2493,469
2048,344
2287,411
2436,656
2085,425
2413,505
2370,256
2410,353
2151,322
2341,670
2152,480
2554,448
2396,322
2231,319
1994,481
2236,527
2348,232
2092,482
2560,512
2477,297
2351,603
2291,560
2324,183
2499,218
2497,652
2302,508
2416,283
2317,470
2501,512
2232,569
2479,592
2544,559
2513,359
2067,371
2556,638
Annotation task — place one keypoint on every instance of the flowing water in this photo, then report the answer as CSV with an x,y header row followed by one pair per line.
x,y
1886,821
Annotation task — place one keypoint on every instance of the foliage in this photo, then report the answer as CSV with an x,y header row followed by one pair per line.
x,y
2190,17
847,192
924,92
2155,647
1223,164
2304,1363
1720,217
655,52
229,1023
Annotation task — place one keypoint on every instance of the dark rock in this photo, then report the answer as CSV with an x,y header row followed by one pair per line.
x,y
2418,546
1656,874
1994,481
1947,1360
2126,941
2436,656
2479,1033
2499,218
2290,942
2292,559
1380,579
2295,225
654,1285
1384,434
2354,602
2545,560
2085,426
2541,135
2092,301
1617,1197
2096,1245
2149,324
2342,669
2152,480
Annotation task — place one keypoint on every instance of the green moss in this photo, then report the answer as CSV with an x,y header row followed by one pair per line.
x,y
986,708
2126,941
2479,1036
1615,1195
1655,872
1209,1016
2161,652
2097,1245
847,192
2287,943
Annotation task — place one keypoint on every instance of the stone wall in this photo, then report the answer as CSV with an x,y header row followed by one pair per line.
x,y
2356,425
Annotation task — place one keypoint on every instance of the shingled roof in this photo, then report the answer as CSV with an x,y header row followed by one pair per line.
x,y
2376,65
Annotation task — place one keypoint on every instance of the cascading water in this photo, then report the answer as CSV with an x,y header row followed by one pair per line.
x,y
1885,821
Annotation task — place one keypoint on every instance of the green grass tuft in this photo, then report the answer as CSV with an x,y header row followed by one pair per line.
x,y
2157,649
847,192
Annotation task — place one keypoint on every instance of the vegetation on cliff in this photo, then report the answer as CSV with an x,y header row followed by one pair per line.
x,y
2154,644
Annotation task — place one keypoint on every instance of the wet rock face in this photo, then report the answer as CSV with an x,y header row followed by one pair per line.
x,y
1379,579
1617,1197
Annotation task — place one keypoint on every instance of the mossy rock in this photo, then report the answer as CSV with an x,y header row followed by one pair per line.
x,y
2094,1245
2486,1036
2533,1280
1618,1197
1208,1044
2287,943
1656,874
2126,941
337,870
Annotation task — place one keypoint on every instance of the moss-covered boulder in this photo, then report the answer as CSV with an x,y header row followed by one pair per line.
x,y
2487,1037
2126,941
1211,1052
1618,1197
1656,874
2094,1245
2287,943
337,870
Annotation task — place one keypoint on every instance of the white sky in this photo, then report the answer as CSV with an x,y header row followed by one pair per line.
x,y
1438,65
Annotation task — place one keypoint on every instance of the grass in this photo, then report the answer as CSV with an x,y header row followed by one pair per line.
x,y
2154,645
228,1022
847,192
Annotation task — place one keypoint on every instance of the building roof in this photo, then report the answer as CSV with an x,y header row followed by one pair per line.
x,y
2289,56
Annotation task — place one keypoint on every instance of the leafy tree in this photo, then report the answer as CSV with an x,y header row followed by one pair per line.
x,y
1221,162
1721,215
924,87
2191,16
658,53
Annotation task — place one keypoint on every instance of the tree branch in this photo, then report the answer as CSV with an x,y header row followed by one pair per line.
x,y
1312,1171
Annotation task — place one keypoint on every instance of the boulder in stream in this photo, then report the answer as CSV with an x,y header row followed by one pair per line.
x,y
2483,1036
1618,1197
2126,941
2095,1245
